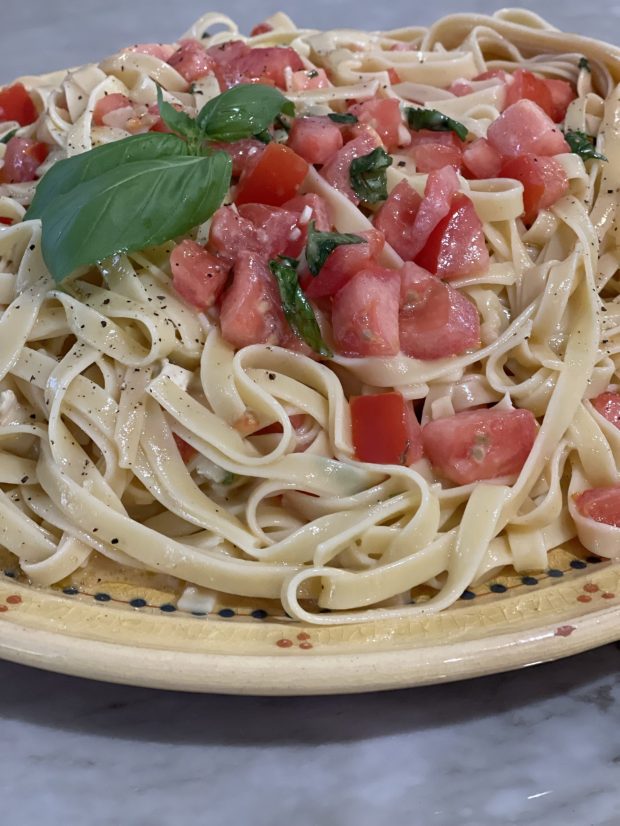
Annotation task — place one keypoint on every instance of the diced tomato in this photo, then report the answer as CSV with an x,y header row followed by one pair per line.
x,y
435,320
307,79
16,104
544,182
336,170
344,262
251,310
235,62
7,221
393,76
22,158
255,228
275,228
315,139
481,159
456,246
186,450
110,103
163,51
365,314
226,58
318,207
462,86
242,152
191,60
385,430
261,28
197,276
600,504
562,94
524,128
490,74
297,421
384,115
479,444
441,187
396,218
433,150
274,178
527,86
608,405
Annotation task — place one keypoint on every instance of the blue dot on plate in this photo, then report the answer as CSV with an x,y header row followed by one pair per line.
x,y
593,560
138,603
578,563
226,612
555,572
529,580
259,614
468,595
168,608
70,591
102,597
498,588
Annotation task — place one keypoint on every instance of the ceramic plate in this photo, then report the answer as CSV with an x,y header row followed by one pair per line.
x,y
126,626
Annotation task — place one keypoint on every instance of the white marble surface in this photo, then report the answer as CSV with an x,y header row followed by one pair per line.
x,y
539,747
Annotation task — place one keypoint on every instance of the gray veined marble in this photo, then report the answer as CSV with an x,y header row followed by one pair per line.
x,y
540,747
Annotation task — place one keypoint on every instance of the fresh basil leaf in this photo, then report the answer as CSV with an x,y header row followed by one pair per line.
x,y
6,138
320,245
67,174
297,308
419,118
584,63
583,145
180,123
367,176
264,137
136,205
245,110
347,117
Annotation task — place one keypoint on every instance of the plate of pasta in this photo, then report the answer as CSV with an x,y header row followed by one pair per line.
x,y
308,356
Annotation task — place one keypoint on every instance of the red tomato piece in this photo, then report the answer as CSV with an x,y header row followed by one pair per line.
x,y
297,421
365,314
191,60
163,51
456,246
226,58
544,182
441,187
16,104
608,405
396,218
22,158
527,86
186,450
433,150
275,228
251,310
481,159
235,62
336,170
385,430
197,276
393,76
307,79
384,116
562,93
315,139
111,103
319,211
7,221
344,262
255,228
435,320
261,28
600,504
479,444
242,152
524,128
274,178
490,74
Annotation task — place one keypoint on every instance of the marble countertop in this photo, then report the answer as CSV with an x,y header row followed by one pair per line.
x,y
539,747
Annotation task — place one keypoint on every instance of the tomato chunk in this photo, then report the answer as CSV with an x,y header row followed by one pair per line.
x,y
435,320
343,263
456,246
163,51
311,207
336,170
481,159
16,104
396,218
197,276
254,228
433,150
235,62
383,114
261,28
365,314
562,94
608,405
22,159
315,139
527,86
274,178
480,444
186,450
307,79
524,128
385,430
191,60
600,504
544,182
242,152
110,103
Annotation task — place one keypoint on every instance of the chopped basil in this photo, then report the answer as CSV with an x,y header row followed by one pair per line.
x,y
297,308
584,64
367,176
419,118
320,245
347,117
264,137
583,145
180,123
6,138
243,111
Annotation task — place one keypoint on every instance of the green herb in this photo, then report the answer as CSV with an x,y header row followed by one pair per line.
x,y
583,145
6,138
297,308
181,124
584,63
347,117
419,118
320,245
265,136
367,176
243,111
229,478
